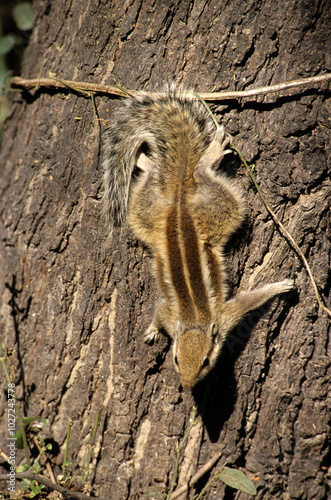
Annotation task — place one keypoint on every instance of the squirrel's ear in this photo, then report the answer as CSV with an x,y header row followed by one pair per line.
x,y
144,163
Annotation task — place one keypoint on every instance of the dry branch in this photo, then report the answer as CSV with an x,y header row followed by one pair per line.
x,y
29,474
112,90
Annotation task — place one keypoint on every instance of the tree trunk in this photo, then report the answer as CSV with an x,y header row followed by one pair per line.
x,y
75,302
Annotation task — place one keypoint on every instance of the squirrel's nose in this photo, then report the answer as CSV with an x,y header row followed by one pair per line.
x,y
187,383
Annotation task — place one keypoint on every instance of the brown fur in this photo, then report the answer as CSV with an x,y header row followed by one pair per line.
x,y
185,212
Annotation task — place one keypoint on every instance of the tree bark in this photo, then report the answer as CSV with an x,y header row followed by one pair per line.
x,y
75,302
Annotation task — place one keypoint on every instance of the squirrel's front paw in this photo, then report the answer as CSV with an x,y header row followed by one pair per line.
x,y
151,334
286,285
223,140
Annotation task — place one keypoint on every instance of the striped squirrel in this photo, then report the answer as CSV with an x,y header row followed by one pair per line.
x,y
159,158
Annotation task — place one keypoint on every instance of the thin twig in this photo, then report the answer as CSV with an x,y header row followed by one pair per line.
x,y
92,443
65,459
198,475
3,455
32,476
219,96
56,83
114,90
284,232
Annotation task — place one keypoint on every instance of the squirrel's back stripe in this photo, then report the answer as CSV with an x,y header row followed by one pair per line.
x,y
184,262
193,262
215,273
176,266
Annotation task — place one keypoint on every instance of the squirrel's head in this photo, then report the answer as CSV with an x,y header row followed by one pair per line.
x,y
195,351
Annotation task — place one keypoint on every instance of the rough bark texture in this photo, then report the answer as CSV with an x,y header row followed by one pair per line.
x,y
75,303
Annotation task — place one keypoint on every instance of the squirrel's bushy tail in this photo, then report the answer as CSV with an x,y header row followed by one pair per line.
x,y
140,126
127,136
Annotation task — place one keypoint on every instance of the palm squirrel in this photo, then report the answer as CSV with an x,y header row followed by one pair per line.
x,y
159,158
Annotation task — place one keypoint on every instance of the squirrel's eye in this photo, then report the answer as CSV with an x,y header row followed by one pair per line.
x,y
176,360
205,363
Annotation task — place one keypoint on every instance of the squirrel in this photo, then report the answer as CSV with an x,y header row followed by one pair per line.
x,y
159,158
